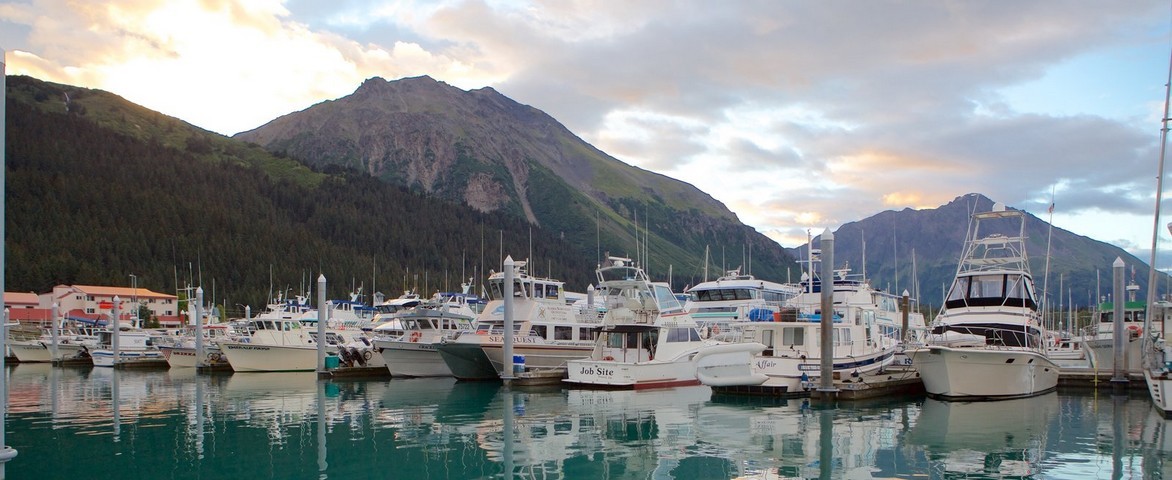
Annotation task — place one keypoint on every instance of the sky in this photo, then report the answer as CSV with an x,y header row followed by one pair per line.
x,y
796,115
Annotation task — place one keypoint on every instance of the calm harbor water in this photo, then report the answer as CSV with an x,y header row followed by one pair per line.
x,y
98,423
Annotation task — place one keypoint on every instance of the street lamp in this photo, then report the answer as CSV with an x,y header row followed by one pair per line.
x,y
134,297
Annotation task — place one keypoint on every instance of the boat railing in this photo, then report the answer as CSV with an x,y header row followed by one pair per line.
x,y
989,337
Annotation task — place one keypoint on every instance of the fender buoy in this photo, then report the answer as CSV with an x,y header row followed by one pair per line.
x,y
415,336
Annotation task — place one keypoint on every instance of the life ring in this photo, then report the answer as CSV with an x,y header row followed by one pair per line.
x,y
1134,330
481,332
608,358
415,336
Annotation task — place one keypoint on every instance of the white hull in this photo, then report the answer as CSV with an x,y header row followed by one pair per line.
x,y
984,374
30,352
105,358
611,374
539,356
729,365
1160,389
184,357
1101,352
412,359
245,357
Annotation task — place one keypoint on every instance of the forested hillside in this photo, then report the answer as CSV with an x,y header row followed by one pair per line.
x,y
91,200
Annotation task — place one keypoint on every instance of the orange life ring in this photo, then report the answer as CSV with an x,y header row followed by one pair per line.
x,y
1134,330
608,358
415,336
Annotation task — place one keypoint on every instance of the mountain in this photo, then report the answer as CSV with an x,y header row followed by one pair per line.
x,y
934,237
99,188
493,154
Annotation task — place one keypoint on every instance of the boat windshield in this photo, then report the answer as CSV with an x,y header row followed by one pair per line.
x,y
986,290
722,294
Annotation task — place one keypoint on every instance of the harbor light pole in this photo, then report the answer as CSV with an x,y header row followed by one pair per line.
x,y
134,299
6,453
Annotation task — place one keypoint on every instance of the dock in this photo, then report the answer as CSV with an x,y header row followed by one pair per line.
x,y
536,377
355,372
1085,378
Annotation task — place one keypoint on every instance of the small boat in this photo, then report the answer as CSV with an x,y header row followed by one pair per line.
x,y
988,343
646,340
134,347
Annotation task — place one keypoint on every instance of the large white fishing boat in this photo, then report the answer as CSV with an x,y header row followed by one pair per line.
x,y
547,329
180,351
1099,342
280,342
1157,361
647,339
413,353
988,342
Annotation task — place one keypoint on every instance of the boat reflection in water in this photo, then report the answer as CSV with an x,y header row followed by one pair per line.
x,y
1001,439
105,423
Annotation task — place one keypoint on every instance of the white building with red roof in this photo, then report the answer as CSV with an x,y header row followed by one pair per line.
x,y
92,302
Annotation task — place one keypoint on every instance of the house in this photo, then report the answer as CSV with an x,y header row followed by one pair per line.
x,y
92,302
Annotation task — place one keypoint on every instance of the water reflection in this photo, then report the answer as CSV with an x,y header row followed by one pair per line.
x,y
106,423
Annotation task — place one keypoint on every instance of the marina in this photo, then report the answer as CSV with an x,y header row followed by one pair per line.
x,y
106,423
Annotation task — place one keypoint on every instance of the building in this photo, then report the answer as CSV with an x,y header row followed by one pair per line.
x,y
92,303
25,308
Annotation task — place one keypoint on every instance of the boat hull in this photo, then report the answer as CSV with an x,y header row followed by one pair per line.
x,y
1160,389
413,359
30,352
105,358
244,357
609,374
467,361
1101,353
965,373
185,357
539,356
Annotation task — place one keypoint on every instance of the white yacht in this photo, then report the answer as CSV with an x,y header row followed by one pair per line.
x,y
547,329
280,342
786,355
1099,342
646,340
988,342
736,297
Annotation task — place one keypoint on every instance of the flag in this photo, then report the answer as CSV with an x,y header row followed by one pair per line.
x,y
1051,209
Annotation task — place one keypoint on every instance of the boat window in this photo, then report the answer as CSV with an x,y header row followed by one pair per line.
x,y
987,286
682,335
269,325
552,291
615,340
518,290
540,330
959,289
563,333
538,291
496,290
587,334
842,336
666,299
793,336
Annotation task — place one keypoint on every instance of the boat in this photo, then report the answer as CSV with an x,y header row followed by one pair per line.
x,y
180,351
783,355
1099,342
988,342
280,342
646,340
547,329
413,353
736,297
134,348
1157,353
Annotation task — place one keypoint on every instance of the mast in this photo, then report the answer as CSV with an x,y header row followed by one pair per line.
x,y
1156,218
1046,275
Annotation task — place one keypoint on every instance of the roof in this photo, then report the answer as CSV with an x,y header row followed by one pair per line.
x,y
124,292
11,298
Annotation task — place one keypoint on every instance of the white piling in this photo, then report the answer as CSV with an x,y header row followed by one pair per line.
x,y
322,317
827,273
6,453
200,360
115,331
1117,375
507,343
53,333
248,312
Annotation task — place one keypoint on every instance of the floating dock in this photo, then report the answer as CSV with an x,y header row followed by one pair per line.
x,y
355,372
1086,378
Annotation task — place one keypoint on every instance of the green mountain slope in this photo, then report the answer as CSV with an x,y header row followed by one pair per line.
x,y
98,189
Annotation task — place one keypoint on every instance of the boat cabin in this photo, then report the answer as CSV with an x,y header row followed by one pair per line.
x,y
1013,289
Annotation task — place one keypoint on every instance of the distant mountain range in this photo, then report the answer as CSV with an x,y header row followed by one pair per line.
x,y
400,184
926,245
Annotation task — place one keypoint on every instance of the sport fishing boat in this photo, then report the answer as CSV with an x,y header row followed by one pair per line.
x,y
646,340
988,342
547,329
280,342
